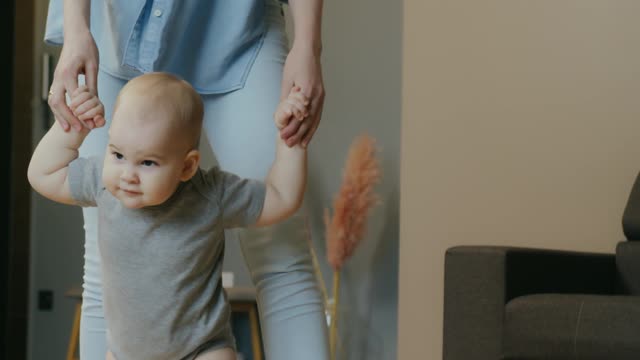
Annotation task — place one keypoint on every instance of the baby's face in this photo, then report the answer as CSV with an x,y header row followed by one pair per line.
x,y
144,163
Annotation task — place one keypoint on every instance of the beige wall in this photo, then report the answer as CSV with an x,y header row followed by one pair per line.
x,y
521,126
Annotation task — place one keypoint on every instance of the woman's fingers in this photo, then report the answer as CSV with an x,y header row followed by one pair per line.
x,y
290,130
302,131
295,138
314,122
65,82
62,113
314,119
91,76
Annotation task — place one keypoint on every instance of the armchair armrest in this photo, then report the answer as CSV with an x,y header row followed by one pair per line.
x,y
480,280
627,255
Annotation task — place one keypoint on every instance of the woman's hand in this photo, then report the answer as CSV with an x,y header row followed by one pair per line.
x,y
292,108
303,69
79,56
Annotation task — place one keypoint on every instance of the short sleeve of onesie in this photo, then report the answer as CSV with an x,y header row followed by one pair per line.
x,y
85,180
240,200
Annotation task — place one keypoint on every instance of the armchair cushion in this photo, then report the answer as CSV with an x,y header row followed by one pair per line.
x,y
481,280
561,326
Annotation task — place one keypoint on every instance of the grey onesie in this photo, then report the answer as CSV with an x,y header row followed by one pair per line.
x,y
161,265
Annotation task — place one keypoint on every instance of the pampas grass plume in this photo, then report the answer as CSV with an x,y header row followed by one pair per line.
x,y
346,228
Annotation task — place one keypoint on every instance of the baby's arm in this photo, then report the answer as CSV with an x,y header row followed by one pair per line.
x,y
287,178
50,161
48,169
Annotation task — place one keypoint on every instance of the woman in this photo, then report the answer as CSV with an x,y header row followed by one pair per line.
x,y
235,54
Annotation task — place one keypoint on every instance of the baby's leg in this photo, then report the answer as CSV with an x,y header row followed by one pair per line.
x,y
217,354
110,356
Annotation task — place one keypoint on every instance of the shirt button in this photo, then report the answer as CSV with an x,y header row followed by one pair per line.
x,y
157,13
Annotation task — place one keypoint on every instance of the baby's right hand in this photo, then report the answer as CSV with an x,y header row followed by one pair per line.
x,y
86,105
294,106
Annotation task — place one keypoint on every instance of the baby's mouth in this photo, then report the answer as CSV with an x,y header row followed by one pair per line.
x,y
130,192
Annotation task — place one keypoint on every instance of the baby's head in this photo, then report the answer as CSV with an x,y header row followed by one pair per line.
x,y
153,139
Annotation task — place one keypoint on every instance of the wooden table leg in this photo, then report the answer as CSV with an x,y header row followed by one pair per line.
x,y
75,332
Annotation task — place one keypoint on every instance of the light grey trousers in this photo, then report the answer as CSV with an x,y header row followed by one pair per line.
x,y
239,126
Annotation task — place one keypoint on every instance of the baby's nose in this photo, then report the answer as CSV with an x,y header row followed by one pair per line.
x,y
128,176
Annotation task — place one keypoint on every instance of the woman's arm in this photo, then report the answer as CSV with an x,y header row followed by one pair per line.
x,y
79,56
307,22
76,17
302,68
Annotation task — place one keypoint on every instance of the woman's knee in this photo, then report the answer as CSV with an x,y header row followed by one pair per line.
x,y
281,248
290,294
93,336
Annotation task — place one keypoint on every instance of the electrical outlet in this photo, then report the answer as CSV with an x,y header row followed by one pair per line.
x,y
227,279
45,300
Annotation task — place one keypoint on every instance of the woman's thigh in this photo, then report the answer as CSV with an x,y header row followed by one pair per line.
x,y
239,125
95,145
93,327
240,128
242,134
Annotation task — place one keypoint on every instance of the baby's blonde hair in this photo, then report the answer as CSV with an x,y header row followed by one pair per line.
x,y
168,93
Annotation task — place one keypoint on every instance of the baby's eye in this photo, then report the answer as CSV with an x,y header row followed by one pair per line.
x,y
149,163
118,155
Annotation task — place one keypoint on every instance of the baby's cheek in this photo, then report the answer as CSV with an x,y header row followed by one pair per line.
x,y
164,189
149,187
109,177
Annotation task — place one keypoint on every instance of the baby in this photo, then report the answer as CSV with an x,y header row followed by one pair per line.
x,y
162,218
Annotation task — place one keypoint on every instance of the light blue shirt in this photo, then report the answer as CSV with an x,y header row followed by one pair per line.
x,y
210,43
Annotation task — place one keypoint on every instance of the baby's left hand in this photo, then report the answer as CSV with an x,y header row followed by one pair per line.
x,y
294,106
86,106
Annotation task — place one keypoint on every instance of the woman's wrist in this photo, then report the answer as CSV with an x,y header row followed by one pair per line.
x,y
76,19
310,47
307,25
76,30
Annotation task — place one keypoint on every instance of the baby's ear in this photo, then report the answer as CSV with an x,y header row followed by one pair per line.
x,y
191,163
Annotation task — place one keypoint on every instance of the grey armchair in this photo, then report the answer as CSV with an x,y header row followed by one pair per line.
x,y
515,303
